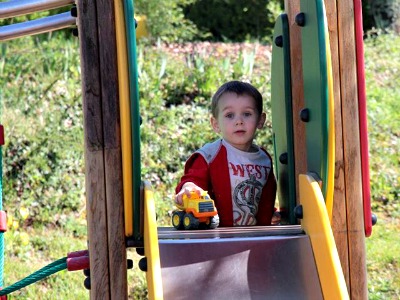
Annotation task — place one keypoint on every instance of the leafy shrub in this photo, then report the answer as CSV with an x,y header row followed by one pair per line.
x,y
238,21
381,15
213,20
165,19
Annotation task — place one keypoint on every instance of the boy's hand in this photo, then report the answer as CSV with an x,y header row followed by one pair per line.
x,y
186,189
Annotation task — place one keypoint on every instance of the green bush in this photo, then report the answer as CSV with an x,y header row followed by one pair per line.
x,y
214,20
381,15
165,19
231,20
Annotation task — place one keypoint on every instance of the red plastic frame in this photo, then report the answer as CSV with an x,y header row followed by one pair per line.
x,y
362,111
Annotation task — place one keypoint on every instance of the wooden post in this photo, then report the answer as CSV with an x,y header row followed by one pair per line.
x,y
351,151
112,150
339,218
347,222
292,8
102,150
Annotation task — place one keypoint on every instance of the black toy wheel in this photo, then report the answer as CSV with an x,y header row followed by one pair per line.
x,y
177,219
190,221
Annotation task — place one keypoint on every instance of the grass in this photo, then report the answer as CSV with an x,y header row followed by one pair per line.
x,y
383,92
383,259
43,247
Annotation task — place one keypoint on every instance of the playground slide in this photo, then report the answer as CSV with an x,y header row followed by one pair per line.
x,y
272,264
283,262
277,262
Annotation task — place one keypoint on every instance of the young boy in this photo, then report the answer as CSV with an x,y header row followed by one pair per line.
x,y
236,173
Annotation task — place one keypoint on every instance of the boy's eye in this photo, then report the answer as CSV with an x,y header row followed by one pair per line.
x,y
229,116
247,114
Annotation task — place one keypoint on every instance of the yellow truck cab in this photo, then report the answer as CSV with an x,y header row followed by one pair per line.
x,y
196,211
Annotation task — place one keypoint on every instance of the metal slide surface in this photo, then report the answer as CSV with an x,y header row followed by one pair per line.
x,y
261,262
270,263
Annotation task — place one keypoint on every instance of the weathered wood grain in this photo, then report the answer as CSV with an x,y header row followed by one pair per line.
x,y
112,149
339,216
351,151
292,8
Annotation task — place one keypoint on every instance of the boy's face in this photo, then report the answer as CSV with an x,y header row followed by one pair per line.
x,y
238,120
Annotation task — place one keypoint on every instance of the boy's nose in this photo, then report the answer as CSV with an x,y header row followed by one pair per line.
x,y
239,121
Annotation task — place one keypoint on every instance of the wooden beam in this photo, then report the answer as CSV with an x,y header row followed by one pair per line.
x,y
351,148
339,217
292,8
112,149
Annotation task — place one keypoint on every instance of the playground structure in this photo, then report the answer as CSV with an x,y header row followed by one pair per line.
x,y
120,211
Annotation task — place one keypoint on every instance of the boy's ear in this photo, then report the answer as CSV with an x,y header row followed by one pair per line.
x,y
261,121
214,124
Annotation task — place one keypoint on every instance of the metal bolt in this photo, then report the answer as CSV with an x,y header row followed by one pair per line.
x,y
283,158
305,115
298,211
279,41
300,19
74,11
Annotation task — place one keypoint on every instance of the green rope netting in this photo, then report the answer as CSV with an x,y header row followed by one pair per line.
x,y
54,267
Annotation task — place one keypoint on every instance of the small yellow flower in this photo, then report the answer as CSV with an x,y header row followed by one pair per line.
x,y
24,213
10,220
24,238
15,225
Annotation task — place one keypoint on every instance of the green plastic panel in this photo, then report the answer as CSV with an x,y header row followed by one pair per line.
x,y
282,120
135,117
315,87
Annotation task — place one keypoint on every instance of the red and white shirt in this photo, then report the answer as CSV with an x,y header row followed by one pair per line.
x,y
242,184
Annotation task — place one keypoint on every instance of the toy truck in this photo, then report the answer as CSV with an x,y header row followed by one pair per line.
x,y
196,212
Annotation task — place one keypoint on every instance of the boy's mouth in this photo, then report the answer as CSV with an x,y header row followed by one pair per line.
x,y
240,131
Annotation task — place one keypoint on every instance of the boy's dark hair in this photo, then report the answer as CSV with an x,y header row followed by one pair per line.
x,y
239,88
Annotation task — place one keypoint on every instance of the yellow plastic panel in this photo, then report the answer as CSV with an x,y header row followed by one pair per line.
x,y
151,250
316,224
330,184
124,107
141,30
